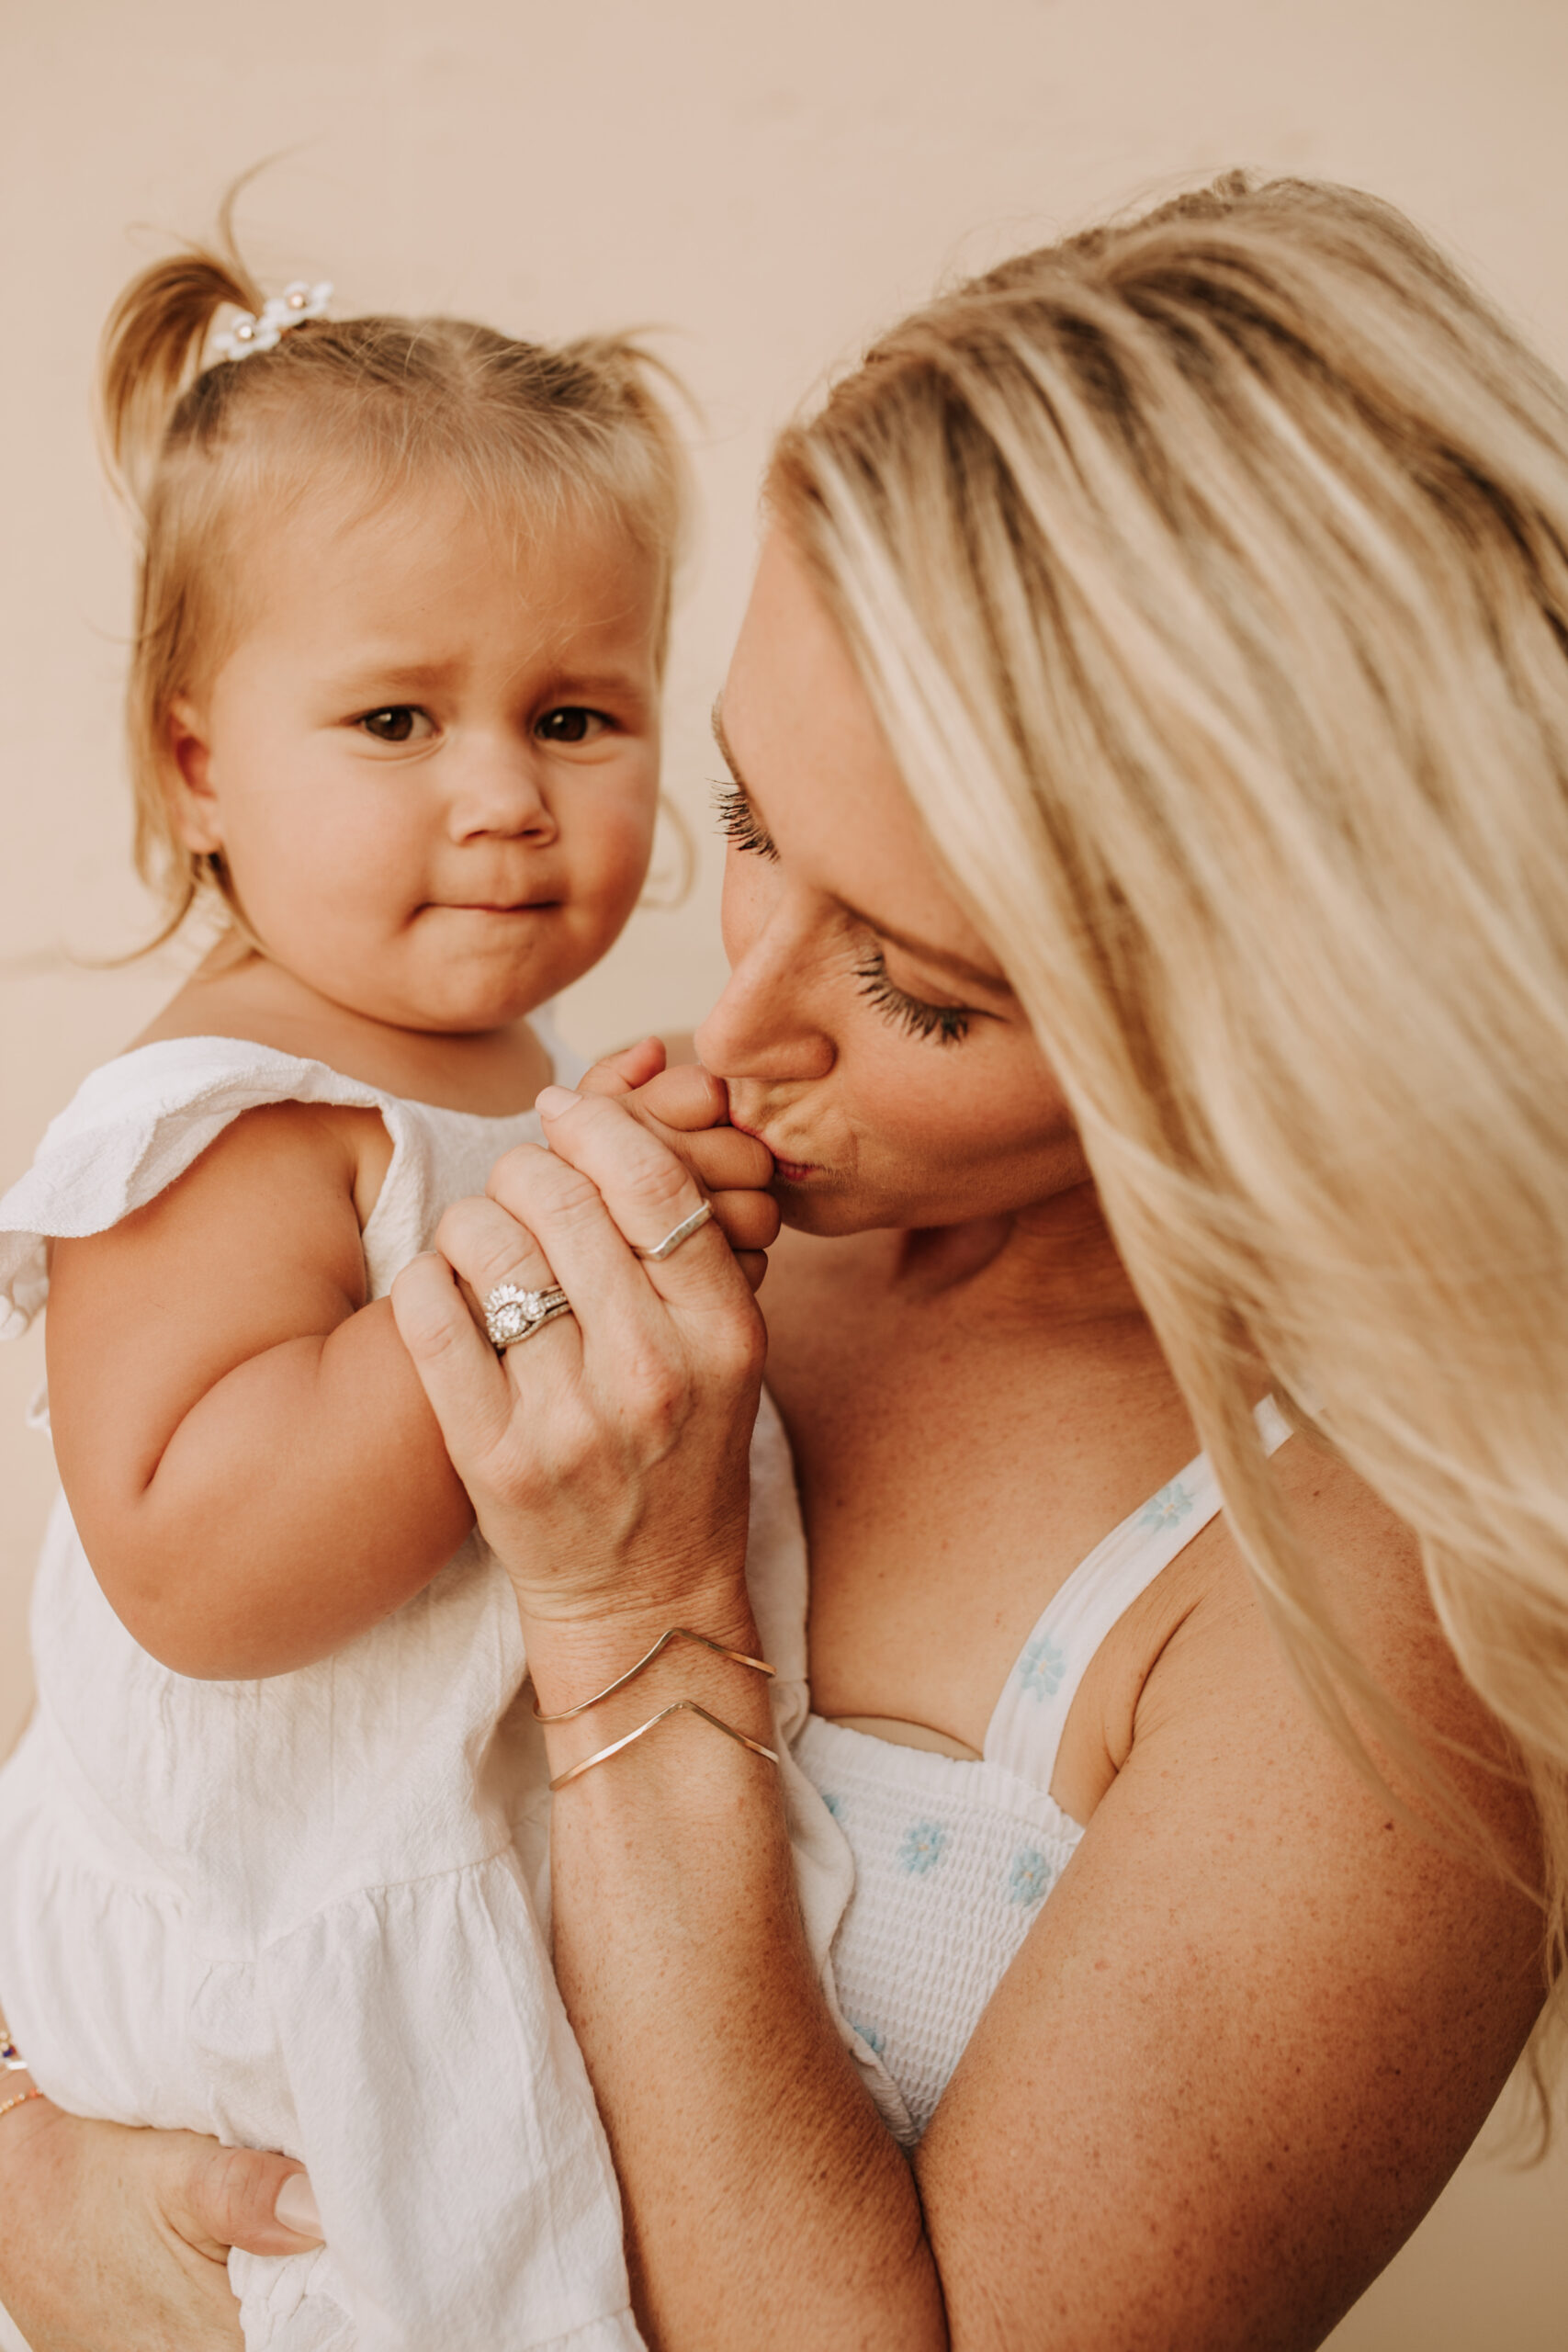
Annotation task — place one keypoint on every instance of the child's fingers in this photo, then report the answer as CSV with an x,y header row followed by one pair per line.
x,y
619,1073
687,1096
721,1158
749,1219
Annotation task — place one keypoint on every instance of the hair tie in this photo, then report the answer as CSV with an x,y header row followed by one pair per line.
x,y
290,309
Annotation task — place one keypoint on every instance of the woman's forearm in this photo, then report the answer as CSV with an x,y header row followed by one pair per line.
x,y
741,2132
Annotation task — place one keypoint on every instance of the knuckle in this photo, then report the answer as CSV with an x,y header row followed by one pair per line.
x,y
741,1350
458,1226
658,1182
574,1199
230,2188
509,1180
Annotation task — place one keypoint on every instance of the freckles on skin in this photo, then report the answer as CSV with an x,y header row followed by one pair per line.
x,y
846,940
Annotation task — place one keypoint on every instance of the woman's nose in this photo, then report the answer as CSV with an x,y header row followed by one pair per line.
x,y
765,1026
496,789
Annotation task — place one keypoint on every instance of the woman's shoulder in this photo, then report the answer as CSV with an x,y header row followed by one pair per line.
x,y
1399,1696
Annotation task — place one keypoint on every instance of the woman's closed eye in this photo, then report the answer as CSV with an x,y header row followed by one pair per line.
x,y
946,1024
738,821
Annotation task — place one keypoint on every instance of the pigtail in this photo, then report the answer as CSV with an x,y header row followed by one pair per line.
x,y
153,349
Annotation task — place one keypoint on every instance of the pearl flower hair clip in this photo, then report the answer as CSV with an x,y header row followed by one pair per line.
x,y
290,309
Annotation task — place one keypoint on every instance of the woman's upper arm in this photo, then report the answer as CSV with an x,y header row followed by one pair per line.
x,y
1260,2021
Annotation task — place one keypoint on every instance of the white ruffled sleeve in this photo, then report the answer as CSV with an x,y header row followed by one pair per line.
x,y
133,1128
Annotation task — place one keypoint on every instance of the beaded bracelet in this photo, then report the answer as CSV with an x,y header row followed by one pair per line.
x,y
675,1634
678,1707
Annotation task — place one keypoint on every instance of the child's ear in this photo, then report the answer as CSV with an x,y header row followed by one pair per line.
x,y
190,781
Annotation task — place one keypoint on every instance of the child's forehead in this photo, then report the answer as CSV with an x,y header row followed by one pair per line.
x,y
418,575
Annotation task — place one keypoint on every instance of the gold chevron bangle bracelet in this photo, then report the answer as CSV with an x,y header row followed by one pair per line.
x,y
677,1707
675,1634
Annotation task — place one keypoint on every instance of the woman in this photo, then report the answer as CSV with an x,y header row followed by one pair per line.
x,y
1147,895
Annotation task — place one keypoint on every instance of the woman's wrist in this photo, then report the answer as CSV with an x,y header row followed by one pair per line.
x,y
571,1660
585,1679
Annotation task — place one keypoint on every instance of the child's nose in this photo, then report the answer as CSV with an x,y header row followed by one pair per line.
x,y
499,791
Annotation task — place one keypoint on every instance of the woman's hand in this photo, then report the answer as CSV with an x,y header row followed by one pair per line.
x,y
607,1456
688,1109
115,2240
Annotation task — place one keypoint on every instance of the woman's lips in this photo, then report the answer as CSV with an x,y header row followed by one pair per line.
x,y
787,1171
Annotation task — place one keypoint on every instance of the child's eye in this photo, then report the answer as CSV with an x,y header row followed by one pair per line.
x,y
948,1024
571,725
398,723
738,821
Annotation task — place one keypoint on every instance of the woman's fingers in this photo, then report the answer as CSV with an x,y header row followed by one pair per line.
x,y
488,1248
216,2198
637,1186
460,1371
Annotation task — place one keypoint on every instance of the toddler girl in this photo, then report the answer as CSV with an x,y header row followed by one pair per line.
x,y
269,1844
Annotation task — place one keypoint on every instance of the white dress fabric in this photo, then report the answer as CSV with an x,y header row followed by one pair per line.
x,y
307,1913
954,1859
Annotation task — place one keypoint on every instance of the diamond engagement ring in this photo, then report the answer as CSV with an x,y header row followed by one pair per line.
x,y
673,1240
511,1314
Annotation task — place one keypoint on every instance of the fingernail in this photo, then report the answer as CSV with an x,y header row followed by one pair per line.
x,y
551,1100
296,2207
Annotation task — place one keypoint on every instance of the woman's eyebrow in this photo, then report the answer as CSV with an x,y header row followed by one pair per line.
x,y
722,739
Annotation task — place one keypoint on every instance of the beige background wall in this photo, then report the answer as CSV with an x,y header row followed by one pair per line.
x,y
768,184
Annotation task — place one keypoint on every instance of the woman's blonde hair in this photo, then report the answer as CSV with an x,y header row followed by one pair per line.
x,y
368,408
1209,573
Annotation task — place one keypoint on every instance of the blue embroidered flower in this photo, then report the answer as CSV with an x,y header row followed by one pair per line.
x,y
836,1808
868,2034
1171,1503
1042,1666
922,1848
1030,1876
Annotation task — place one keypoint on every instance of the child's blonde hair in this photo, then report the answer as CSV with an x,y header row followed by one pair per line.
x,y
368,406
1209,573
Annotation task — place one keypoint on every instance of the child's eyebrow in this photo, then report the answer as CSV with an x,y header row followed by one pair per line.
x,y
371,676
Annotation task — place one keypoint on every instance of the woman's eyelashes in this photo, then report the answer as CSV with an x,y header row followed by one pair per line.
x,y
946,1024
738,820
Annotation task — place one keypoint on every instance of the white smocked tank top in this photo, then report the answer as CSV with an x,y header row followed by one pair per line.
x,y
954,1858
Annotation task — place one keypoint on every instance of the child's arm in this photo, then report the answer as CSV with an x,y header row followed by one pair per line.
x,y
253,1469
248,1455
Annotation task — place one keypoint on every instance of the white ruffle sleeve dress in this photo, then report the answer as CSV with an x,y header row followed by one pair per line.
x,y
306,1913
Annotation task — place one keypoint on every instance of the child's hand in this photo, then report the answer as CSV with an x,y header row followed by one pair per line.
x,y
687,1109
